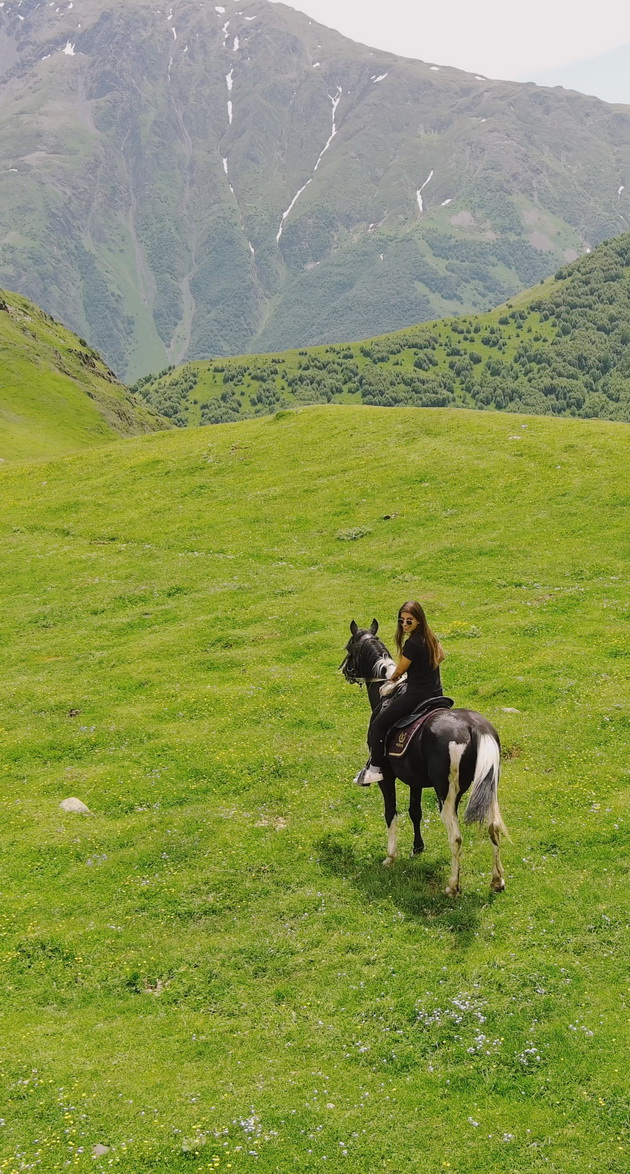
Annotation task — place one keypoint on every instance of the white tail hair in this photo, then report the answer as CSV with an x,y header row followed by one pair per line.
x,y
483,804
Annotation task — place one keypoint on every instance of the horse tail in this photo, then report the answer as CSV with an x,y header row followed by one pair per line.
x,y
483,804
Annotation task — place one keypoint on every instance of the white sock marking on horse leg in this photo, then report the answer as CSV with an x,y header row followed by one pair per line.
x,y
494,830
449,816
392,848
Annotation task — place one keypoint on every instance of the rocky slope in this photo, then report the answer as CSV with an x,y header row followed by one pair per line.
x,y
192,179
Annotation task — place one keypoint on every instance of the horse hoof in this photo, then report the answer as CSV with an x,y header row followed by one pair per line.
x,y
388,861
498,886
453,891
417,851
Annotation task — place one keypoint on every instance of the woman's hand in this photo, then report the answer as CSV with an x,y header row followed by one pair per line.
x,y
388,688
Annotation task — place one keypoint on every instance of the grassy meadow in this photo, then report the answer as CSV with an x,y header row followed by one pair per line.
x,y
213,971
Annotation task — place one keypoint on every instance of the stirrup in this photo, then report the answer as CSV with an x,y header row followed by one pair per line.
x,y
370,774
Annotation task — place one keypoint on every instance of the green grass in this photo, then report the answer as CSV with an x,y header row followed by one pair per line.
x,y
215,965
56,394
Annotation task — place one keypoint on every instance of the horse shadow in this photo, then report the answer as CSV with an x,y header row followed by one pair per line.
x,y
415,886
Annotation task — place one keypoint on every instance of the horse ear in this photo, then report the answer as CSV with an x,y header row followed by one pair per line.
x,y
374,627
353,628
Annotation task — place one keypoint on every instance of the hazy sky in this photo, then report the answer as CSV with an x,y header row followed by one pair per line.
x,y
493,37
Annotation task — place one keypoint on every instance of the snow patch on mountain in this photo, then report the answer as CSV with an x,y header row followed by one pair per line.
x,y
421,189
335,103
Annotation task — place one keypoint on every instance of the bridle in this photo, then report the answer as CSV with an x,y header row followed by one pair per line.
x,y
356,680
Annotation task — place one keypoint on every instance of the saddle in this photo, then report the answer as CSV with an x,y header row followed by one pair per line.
x,y
405,730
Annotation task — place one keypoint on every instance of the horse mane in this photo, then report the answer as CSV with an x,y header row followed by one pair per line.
x,y
380,656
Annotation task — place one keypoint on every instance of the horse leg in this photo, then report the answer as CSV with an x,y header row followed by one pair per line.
x,y
449,817
497,883
388,789
415,815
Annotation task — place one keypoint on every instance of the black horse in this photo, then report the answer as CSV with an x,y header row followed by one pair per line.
x,y
456,751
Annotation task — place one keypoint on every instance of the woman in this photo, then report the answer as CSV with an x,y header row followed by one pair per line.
x,y
420,658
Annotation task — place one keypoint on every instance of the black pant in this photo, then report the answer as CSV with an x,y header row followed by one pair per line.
x,y
384,718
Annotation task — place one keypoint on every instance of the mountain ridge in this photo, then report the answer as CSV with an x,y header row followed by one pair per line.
x,y
189,182
560,348
605,75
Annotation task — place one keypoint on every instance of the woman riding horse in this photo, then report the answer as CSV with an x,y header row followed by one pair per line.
x,y
457,752
420,658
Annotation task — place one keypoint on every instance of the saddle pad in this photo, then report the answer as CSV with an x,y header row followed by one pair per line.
x,y
400,740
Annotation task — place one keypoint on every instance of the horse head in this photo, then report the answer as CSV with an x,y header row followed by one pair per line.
x,y
367,658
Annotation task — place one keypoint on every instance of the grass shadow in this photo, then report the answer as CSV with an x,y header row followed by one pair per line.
x,y
415,886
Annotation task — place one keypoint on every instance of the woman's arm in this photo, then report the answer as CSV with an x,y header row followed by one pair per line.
x,y
441,655
400,670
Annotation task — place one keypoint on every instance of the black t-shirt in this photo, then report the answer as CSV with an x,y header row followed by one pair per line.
x,y
421,677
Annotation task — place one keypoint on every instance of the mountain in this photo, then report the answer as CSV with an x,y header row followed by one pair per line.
x,y
561,348
608,76
56,393
188,180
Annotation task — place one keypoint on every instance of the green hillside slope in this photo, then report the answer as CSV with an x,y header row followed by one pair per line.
x,y
215,965
56,393
561,349
187,179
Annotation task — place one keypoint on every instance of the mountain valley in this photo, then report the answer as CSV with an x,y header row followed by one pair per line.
x,y
197,180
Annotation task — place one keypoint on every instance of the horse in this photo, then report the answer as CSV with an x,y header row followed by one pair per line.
x,y
456,751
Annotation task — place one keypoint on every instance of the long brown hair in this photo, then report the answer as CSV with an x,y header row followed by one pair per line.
x,y
416,610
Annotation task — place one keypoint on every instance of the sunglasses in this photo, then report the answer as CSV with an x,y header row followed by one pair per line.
x,y
406,623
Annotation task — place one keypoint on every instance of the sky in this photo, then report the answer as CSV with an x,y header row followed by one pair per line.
x,y
492,37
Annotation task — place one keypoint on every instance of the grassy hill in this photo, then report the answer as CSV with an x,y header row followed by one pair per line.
x,y
215,965
185,180
560,349
56,393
